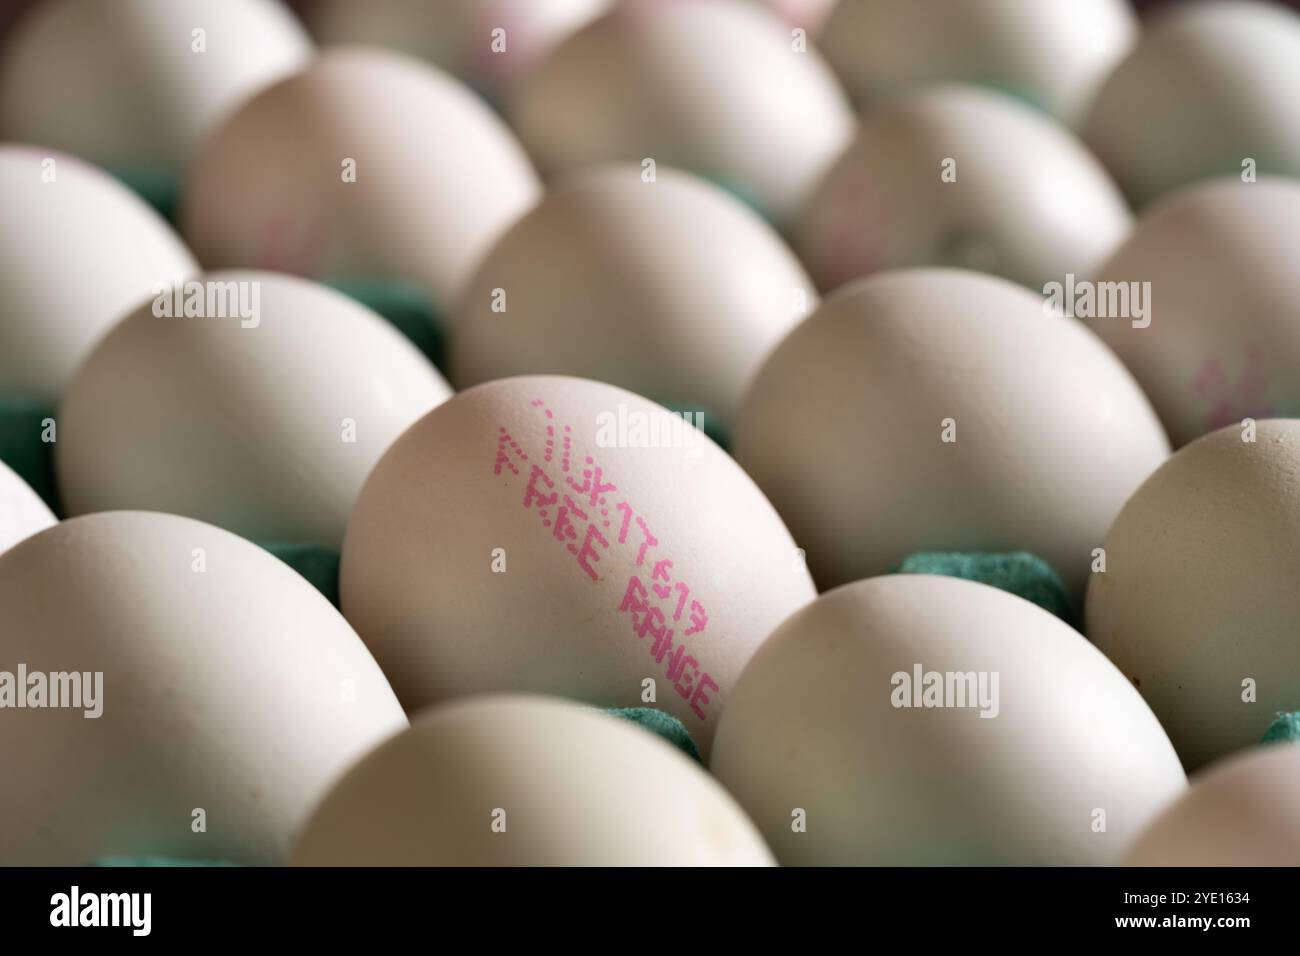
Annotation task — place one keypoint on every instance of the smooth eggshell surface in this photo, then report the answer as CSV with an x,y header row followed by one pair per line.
x,y
527,781
526,536
1223,339
1208,87
229,686
672,289
22,512
1052,53
714,86
265,426
368,165
1067,769
130,83
78,250
459,36
1199,594
1050,434
964,177
1244,811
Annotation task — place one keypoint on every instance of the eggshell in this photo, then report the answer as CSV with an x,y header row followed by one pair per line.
x,y
457,35
1050,433
651,563
22,512
229,686
959,176
128,83
714,86
1067,770
1052,53
1199,590
527,781
1244,811
1209,86
77,251
437,176
672,289
1223,340
266,426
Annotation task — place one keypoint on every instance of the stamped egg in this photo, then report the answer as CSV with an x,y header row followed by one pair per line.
x,y
1211,89
136,84
256,401
962,177
947,411
1197,604
555,535
22,512
1202,303
78,250
168,689
672,288
1243,811
368,165
916,719
719,87
506,780
487,43
1051,53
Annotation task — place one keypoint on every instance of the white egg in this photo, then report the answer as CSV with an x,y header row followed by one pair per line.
x,y
1052,53
963,177
1198,603
554,535
1215,265
487,43
262,414
208,695
672,289
918,719
77,251
367,165
945,411
1211,89
1244,811
137,84
527,781
715,86
22,512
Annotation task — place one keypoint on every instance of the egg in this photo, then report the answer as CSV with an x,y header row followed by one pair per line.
x,y
962,177
22,512
946,412
77,251
1052,53
1211,89
367,165
137,84
719,87
1244,811
671,288
184,694
508,780
254,401
488,43
916,719
1219,339
1197,604
553,535
808,15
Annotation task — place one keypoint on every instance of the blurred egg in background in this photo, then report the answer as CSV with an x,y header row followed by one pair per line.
x,y
263,413
670,288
